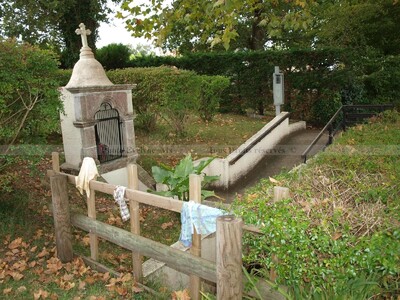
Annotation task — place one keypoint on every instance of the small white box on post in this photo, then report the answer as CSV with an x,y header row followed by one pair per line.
x,y
278,89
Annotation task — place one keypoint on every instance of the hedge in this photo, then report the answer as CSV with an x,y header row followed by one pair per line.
x,y
310,76
171,94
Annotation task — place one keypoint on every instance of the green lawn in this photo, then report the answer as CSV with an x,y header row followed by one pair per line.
x,y
216,138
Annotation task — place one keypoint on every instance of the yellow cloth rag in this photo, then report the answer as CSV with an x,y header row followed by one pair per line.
x,y
87,172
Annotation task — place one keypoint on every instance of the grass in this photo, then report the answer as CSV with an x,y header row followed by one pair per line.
x,y
216,138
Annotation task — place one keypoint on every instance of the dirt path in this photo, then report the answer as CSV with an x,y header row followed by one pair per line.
x,y
286,155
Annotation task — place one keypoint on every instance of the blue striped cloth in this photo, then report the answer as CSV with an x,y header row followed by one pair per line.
x,y
201,217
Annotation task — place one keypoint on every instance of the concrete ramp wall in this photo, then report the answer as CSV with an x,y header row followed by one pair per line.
x,y
242,160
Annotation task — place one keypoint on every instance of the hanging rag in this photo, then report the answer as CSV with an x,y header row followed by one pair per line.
x,y
87,172
201,217
119,193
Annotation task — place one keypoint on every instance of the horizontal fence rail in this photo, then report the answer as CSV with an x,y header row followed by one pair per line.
x,y
176,259
228,235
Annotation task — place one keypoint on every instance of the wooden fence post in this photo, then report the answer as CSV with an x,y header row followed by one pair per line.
x,y
134,210
62,225
229,258
195,195
280,193
55,160
93,239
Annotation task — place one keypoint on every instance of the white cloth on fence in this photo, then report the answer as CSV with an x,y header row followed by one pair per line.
x,y
201,217
119,197
87,172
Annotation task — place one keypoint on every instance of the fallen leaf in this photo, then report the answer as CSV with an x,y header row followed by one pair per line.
x,y
90,280
40,294
81,285
54,297
126,277
16,276
336,236
15,243
136,289
121,290
273,180
21,289
167,225
43,253
86,240
180,295
7,291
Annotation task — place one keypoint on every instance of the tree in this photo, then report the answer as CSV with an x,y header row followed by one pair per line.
x,y
194,24
114,56
52,24
361,25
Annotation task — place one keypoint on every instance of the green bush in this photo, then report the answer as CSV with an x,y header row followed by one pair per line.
x,y
326,107
114,56
212,88
382,83
171,94
29,93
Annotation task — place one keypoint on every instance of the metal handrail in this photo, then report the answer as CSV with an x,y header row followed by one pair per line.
x,y
342,124
329,124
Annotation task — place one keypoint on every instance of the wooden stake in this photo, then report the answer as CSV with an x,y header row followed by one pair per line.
x,y
280,193
93,240
195,195
55,160
134,210
62,226
229,258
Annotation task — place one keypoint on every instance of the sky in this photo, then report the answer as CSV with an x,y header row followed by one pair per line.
x,y
115,32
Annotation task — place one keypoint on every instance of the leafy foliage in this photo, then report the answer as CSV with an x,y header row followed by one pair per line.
x,y
171,94
189,22
29,92
212,88
113,56
310,77
365,26
52,24
29,104
177,179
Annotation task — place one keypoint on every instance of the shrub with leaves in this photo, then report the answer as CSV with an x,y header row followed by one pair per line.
x,y
29,99
177,179
212,88
170,94
114,56
29,103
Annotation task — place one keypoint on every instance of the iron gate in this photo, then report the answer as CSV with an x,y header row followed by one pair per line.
x,y
109,139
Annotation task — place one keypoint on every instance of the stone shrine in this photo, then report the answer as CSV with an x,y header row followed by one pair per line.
x,y
98,115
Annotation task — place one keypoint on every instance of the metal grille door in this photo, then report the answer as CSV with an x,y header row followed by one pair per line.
x,y
109,139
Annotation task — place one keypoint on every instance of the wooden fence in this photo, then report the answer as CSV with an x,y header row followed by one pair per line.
x,y
226,272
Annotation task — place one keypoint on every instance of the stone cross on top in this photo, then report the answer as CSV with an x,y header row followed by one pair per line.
x,y
83,32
